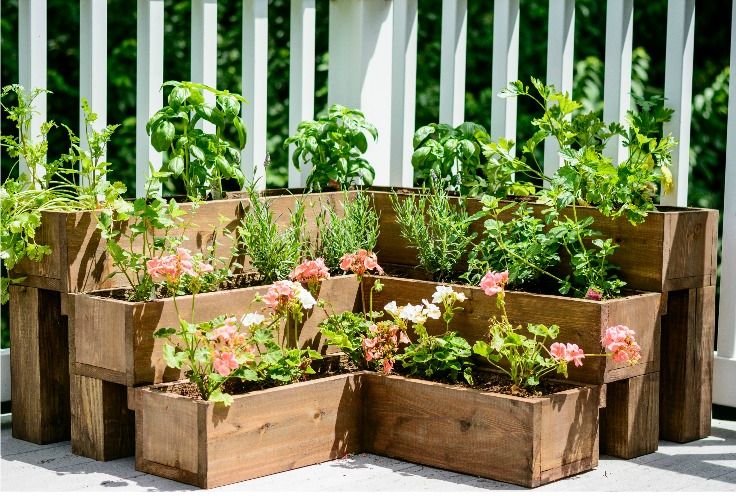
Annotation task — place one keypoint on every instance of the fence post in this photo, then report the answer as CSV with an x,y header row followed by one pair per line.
x,y
361,72
149,76
617,83
204,50
505,67
452,61
255,88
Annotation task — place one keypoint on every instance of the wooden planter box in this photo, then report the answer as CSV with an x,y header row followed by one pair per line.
x,y
113,339
581,321
525,441
261,433
675,248
78,261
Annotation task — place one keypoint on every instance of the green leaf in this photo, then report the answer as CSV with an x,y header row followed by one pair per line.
x,y
176,165
164,332
162,136
217,396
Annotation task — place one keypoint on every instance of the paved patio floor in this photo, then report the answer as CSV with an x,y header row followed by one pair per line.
x,y
706,465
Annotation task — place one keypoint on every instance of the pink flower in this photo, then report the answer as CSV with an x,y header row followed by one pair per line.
x,y
619,341
204,268
559,351
569,353
172,267
593,294
225,363
360,262
279,295
311,272
227,331
494,282
388,366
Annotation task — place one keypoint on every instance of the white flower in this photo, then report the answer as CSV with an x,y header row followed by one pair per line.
x,y
391,308
413,313
252,319
441,293
305,297
431,310
460,296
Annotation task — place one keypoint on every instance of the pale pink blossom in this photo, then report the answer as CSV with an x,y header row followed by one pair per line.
x,y
569,353
171,267
225,362
494,282
310,272
226,331
559,351
360,262
279,295
620,342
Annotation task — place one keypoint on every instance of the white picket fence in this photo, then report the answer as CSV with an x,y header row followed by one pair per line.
x,y
372,66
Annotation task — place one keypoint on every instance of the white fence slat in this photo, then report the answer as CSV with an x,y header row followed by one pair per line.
x,y
32,47
360,70
727,309
404,89
560,65
505,67
678,81
453,61
617,82
204,50
149,76
301,77
255,69
93,64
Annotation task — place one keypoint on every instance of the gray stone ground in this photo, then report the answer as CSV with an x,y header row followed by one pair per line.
x,y
706,465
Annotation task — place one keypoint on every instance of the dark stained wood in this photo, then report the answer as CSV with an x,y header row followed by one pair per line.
x,y
114,338
525,441
629,423
102,426
261,433
581,321
688,333
39,366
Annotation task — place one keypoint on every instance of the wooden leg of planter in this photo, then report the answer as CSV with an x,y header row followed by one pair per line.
x,y
39,366
688,332
630,421
102,426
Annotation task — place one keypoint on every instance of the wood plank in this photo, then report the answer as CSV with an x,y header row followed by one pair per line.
x,y
102,427
688,333
39,366
49,266
629,423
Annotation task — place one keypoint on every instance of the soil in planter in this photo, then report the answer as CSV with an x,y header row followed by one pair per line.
x,y
245,280
330,366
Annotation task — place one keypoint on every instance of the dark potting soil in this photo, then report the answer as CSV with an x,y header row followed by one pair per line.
x,y
245,280
497,383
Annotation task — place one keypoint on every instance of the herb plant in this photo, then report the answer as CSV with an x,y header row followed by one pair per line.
x,y
356,228
274,252
202,159
347,330
438,227
334,146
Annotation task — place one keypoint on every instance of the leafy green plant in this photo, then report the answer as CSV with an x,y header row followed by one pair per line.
x,y
356,228
346,330
520,244
273,252
587,176
334,146
438,227
202,159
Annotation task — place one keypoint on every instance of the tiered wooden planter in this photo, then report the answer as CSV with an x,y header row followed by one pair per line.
x,y
674,253
523,441
42,315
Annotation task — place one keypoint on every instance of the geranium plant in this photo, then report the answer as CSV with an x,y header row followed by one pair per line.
x,y
334,146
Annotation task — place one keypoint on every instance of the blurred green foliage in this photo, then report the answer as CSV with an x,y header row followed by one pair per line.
x,y
710,79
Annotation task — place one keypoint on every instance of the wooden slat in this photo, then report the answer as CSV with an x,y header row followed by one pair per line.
x,y
560,65
403,92
505,67
617,83
32,48
452,55
149,76
688,331
678,81
255,90
204,50
102,427
39,366
629,424
301,77
93,64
